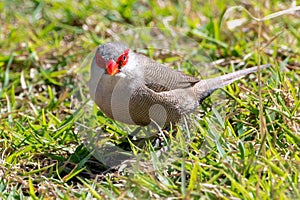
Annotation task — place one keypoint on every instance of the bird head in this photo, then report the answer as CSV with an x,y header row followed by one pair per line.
x,y
112,57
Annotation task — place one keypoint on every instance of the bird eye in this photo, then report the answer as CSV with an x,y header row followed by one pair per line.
x,y
123,58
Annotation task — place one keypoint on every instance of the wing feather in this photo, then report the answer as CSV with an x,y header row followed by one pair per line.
x,y
160,78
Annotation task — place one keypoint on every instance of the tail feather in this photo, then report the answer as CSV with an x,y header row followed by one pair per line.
x,y
206,87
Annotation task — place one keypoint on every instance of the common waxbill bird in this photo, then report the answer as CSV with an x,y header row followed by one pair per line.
x,y
134,89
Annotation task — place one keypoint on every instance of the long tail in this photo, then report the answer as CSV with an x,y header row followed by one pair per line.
x,y
206,87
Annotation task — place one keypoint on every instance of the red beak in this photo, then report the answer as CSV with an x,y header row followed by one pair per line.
x,y
112,67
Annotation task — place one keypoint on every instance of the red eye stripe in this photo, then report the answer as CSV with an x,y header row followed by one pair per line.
x,y
100,61
123,58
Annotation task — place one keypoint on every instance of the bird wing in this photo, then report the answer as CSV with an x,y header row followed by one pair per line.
x,y
160,78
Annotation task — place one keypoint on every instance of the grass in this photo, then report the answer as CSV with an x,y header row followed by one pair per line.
x,y
221,156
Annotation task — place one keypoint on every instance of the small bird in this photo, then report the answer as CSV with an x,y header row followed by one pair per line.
x,y
134,89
